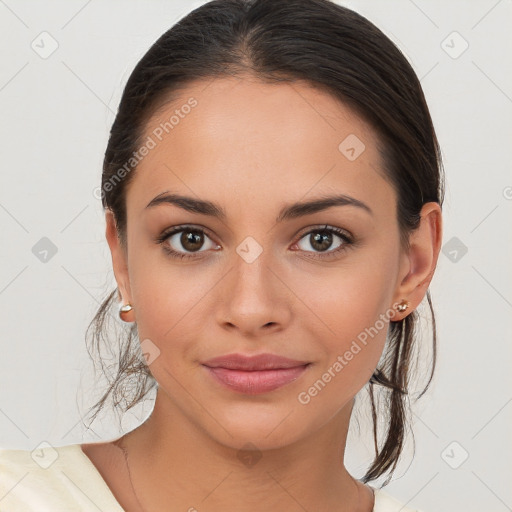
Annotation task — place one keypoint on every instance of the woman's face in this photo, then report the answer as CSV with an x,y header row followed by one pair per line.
x,y
260,275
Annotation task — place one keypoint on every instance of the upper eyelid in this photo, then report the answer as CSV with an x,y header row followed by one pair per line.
x,y
177,229
327,227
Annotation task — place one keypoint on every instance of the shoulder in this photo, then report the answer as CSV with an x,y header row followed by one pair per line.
x,y
384,502
62,478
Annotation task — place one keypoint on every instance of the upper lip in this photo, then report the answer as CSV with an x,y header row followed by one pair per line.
x,y
253,363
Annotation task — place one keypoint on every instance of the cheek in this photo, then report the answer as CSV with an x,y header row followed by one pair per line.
x,y
347,314
168,298
351,353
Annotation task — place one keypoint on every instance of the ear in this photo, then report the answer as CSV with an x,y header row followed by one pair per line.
x,y
119,263
419,263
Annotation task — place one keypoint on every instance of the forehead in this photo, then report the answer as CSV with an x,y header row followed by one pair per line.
x,y
242,136
246,109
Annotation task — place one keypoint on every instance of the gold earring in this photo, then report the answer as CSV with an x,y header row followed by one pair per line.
x,y
402,306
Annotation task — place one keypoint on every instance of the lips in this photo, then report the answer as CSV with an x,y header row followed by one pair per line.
x,y
253,363
254,374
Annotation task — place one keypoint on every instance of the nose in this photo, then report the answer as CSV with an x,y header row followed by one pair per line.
x,y
255,300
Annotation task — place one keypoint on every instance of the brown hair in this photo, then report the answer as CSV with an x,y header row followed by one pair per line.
x,y
331,47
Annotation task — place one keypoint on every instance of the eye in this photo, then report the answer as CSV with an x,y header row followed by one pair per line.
x,y
185,238
323,240
184,242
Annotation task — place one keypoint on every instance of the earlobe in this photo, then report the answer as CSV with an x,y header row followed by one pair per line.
x,y
119,263
421,259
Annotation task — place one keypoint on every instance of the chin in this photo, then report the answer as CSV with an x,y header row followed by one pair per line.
x,y
267,428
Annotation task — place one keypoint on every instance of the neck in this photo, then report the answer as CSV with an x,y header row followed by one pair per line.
x,y
172,461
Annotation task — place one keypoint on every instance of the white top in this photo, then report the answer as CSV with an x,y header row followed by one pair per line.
x,y
55,479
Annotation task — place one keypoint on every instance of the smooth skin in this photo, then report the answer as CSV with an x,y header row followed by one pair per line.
x,y
253,148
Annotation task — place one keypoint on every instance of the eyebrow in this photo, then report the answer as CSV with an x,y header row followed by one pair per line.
x,y
290,211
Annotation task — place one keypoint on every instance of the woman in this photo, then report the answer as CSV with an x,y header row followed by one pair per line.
x,y
272,189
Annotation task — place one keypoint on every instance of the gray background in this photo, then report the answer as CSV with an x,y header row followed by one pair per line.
x,y
56,113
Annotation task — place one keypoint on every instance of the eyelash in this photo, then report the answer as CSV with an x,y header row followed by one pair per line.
x,y
347,241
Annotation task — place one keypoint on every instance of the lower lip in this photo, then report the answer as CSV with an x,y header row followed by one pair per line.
x,y
256,382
